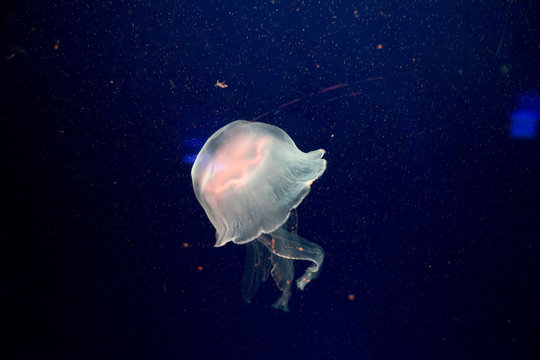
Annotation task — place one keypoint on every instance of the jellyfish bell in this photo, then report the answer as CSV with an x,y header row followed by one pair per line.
x,y
249,177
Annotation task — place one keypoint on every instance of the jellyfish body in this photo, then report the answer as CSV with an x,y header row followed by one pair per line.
x,y
249,177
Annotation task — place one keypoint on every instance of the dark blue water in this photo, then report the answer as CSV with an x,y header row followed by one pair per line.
x,y
428,210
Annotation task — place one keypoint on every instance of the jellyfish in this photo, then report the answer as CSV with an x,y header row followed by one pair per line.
x,y
250,177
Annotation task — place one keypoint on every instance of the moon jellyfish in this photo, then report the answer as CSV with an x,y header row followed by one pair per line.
x,y
250,177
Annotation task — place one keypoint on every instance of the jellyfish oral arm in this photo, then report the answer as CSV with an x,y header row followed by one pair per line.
x,y
290,246
283,274
256,270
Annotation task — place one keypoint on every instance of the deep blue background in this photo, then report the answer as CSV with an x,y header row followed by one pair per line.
x,y
428,211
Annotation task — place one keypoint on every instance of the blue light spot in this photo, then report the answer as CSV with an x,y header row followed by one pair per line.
x,y
189,158
523,124
524,119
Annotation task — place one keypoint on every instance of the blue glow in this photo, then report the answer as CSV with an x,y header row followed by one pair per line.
x,y
524,119
523,124
192,145
189,158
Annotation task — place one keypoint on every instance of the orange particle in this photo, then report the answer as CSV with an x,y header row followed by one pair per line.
x,y
351,297
221,84
199,268
379,46
185,245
